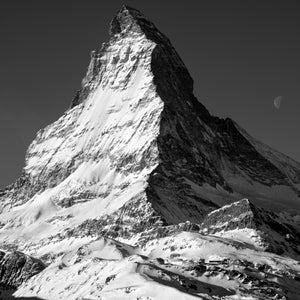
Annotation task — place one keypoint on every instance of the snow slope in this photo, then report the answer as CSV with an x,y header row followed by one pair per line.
x,y
167,268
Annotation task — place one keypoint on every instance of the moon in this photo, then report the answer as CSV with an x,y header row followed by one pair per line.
x,y
278,101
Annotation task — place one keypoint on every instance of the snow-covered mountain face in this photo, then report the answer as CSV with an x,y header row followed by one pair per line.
x,y
135,136
135,155
98,156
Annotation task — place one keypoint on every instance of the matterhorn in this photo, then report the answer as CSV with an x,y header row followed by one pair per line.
x,y
138,192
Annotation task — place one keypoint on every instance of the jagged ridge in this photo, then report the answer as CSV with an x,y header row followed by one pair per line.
x,y
276,233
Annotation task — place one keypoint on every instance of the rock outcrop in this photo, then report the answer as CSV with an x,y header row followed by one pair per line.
x,y
16,268
277,233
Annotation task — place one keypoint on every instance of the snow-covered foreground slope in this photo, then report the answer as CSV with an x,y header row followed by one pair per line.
x,y
135,160
181,266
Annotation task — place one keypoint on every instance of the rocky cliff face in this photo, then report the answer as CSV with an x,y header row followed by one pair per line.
x,y
136,154
273,232
16,268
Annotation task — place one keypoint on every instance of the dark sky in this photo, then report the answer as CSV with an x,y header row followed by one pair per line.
x,y
241,54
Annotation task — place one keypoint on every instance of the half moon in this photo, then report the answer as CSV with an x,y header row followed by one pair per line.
x,y
277,102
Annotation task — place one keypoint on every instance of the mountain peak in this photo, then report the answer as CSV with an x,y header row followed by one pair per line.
x,y
131,20
127,18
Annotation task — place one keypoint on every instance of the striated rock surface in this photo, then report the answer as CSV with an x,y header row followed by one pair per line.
x,y
273,232
16,268
137,158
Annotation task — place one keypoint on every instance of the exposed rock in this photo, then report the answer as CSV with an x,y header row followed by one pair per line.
x,y
276,234
16,268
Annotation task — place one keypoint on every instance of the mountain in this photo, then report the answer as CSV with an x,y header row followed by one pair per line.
x,y
135,161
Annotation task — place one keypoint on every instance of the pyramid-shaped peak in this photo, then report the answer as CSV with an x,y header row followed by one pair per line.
x,y
128,12
128,9
129,19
